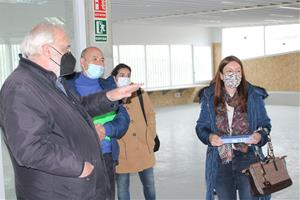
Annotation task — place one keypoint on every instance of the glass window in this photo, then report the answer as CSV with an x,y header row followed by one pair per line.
x,y
158,66
9,55
5,62
181,65
282,38
243,42
134,57
203,68
166,66
37,11
15,51
115,55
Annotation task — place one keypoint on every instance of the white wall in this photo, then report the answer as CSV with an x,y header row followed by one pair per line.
x,y
151,34
283,98
216,35
17,19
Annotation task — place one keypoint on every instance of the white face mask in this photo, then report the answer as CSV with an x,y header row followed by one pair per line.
x,y
123,81
95,71
232,80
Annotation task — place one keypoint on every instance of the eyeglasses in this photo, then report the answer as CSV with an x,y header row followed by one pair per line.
x,y
67,49
232,72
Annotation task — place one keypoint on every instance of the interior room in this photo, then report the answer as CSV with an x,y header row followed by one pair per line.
x,y
174,48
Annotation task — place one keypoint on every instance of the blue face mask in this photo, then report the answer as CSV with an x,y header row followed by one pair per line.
x,y
94,71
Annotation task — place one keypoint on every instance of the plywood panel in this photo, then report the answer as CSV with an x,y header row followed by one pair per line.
x,y
275,73
172,97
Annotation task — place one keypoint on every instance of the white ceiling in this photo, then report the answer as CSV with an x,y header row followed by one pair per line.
x,y
206,13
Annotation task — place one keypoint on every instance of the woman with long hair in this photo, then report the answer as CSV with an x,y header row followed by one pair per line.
x,y
231,107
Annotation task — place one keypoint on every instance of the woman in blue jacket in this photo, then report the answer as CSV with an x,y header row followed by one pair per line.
x,y
231,106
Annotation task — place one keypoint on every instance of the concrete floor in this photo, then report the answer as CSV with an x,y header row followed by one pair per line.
x,y
179,171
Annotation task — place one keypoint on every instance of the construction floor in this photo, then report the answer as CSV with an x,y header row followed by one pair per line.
x,y
179,171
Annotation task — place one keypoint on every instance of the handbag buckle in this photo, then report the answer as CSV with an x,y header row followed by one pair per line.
x,y
267,183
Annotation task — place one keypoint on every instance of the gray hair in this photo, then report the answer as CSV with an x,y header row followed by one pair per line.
x,y
40,35
84,51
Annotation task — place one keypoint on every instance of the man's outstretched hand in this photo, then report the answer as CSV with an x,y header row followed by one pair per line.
x,y
122,92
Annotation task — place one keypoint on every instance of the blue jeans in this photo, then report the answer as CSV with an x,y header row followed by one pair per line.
x,y
230,177
147,179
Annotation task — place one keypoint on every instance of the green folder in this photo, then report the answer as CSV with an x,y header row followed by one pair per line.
x,y
102,119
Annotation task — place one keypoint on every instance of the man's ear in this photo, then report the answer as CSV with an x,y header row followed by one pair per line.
x,y
83,64
46,50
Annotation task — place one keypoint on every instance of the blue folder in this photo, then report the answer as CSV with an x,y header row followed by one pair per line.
x,y
235,138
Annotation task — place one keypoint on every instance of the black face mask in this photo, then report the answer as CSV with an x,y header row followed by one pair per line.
x,y
67,63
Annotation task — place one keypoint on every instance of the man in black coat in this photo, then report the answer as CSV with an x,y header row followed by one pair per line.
x,y
49,133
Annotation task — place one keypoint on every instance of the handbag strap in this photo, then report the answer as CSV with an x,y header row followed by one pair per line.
x,y
270,149
139,93
270,158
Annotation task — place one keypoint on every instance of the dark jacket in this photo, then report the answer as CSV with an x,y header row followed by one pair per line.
x,y
49,136
116,128
206,124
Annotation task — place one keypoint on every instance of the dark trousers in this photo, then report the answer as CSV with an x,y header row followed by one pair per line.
x,y
147,179
111,171
230,178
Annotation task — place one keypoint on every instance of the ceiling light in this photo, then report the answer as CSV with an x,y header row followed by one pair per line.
x,y
226,2
39,2
284,16
291,8
55,20
24,1
273,20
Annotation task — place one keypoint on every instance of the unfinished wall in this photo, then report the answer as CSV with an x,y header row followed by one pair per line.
x,y
275,73
172,97
217,55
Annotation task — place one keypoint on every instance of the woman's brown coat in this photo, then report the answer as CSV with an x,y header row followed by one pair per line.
x,y
136,146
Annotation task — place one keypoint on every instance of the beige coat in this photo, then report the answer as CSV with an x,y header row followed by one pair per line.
x,y
136,146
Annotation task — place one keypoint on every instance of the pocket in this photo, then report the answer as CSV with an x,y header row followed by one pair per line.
x,y
88,177
77,188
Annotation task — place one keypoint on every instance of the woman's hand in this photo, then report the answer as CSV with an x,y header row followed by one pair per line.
x,y
215,140
255,138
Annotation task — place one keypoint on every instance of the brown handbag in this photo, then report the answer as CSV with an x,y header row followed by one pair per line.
x,y
268,176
